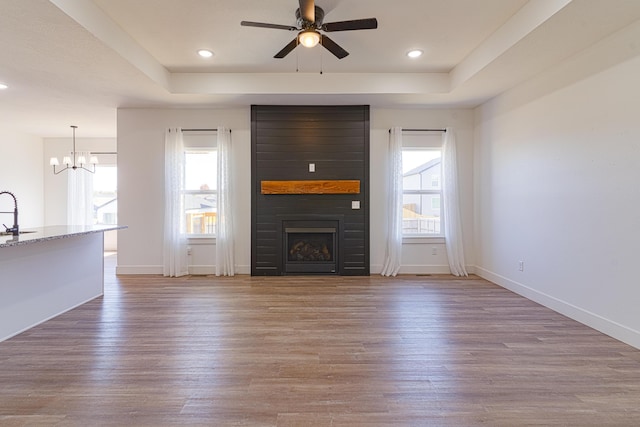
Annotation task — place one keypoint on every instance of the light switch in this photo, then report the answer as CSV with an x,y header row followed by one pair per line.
x,y
312,167
355,204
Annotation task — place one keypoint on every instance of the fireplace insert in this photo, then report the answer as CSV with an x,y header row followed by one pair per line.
x,y
310,250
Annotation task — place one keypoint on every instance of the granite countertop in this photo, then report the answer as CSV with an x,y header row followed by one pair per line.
x,y
41,234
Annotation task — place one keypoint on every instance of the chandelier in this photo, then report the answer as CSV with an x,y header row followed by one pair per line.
x,y
70,161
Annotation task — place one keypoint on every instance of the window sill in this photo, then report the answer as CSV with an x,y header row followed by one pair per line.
x,y
201,238
416,240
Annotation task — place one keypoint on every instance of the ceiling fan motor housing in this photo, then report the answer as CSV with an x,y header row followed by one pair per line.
x,y
319,15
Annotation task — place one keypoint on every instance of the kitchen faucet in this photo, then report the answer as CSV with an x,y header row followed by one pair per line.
x,y
15,229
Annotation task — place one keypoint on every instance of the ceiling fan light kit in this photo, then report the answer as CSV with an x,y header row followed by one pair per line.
x,y
309,19
309,38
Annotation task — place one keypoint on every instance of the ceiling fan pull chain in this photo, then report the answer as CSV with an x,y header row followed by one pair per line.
x,y
321,66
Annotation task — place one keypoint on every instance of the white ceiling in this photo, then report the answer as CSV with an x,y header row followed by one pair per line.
x,y
76,61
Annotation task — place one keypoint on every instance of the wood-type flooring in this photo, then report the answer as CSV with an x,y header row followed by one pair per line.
x,y
315,351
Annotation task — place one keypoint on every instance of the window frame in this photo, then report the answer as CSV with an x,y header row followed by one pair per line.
x,y
424,141
102,164
194,142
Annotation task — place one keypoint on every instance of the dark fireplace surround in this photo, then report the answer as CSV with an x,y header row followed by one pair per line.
x,y
295,230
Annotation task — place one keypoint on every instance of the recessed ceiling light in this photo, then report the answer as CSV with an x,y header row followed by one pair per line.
x,y
3,86
414,53
205,53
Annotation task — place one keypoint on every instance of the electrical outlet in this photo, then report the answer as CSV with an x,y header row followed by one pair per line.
x,y
434,251
188,250
355,204
312,167
521,265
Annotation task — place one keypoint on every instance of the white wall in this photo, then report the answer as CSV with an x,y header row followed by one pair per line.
x,y
557,173
21,173
418,255
140,169
141,186
55,186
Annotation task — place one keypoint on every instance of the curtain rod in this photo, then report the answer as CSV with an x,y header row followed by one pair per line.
x,y
422,130
201,130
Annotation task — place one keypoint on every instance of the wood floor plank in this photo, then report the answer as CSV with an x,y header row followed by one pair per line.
x,y
318,351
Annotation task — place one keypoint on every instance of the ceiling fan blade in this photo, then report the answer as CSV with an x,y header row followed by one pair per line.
x,y
333,47
265,25
308,10
287,49
356,24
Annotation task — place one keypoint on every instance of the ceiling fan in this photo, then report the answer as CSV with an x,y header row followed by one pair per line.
x,y
309,24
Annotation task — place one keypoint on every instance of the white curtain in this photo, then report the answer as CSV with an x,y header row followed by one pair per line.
x,y
450,192
79,195
392,261
174,242
225,264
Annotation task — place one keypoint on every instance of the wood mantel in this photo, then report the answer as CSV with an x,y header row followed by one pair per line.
x,y
334,186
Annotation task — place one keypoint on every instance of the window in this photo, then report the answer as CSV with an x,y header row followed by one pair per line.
x,y
435,203
422,189
105,195
200,181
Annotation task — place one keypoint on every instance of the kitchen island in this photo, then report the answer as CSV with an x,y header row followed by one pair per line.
x,y
47,271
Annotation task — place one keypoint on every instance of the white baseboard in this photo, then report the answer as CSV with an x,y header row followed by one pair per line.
x,y
243,269
132,270
202,270
125,270
246,269
595,321
420,269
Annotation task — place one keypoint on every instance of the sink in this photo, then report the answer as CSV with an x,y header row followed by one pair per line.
x,y
4,233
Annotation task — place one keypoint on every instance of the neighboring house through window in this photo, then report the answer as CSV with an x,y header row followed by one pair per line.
x,y
422,189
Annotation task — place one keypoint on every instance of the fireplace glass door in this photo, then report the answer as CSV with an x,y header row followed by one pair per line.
x,y
310,250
